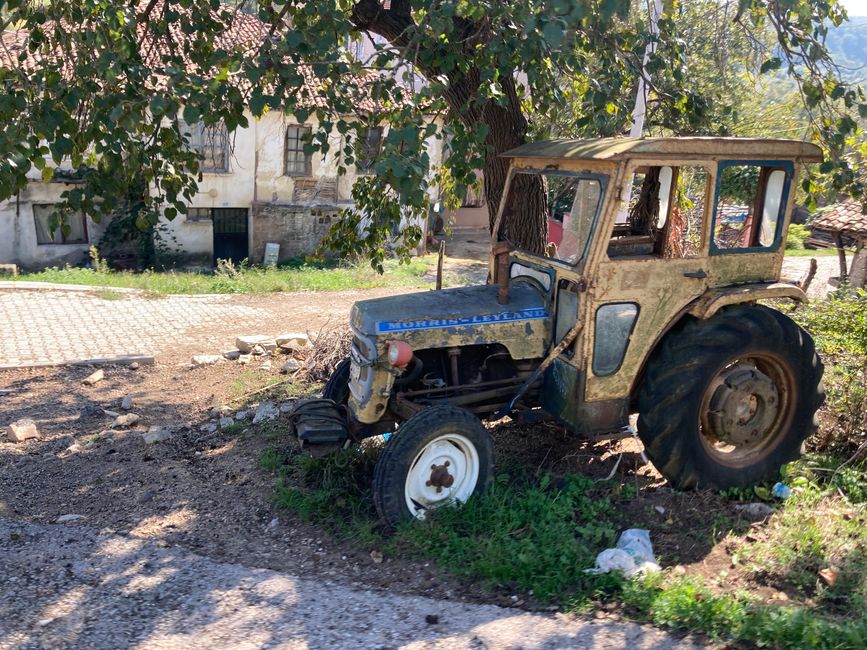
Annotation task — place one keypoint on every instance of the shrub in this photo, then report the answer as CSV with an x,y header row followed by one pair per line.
x,y
796,236
839,325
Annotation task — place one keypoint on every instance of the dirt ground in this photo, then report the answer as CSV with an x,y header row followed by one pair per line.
x,y
206,492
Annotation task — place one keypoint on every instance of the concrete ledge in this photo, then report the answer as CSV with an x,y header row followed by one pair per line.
x,y
124,360
56,286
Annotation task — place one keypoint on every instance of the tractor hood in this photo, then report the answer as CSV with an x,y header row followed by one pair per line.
x,y
458,317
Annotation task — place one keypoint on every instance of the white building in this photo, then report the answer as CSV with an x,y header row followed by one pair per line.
x,y
257,186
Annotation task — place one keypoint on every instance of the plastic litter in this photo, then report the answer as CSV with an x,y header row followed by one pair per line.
x,y
755,510
781,491
633,555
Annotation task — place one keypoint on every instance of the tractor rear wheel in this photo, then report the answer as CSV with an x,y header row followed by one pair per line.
x,y
727,401
440,456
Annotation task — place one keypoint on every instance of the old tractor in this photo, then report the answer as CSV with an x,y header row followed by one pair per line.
x,y
648,303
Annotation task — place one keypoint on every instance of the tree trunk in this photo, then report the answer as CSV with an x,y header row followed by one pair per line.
x,y
526,226
525,221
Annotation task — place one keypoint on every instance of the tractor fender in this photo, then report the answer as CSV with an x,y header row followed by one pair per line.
x,y
715,299
712,300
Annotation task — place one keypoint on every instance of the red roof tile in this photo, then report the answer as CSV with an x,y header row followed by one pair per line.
x,y
244,30
847,218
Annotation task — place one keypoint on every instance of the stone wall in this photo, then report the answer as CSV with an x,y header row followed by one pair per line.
x,y
297,228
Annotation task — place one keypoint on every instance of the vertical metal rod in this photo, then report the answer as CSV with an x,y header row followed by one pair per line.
x,y
440,264
454,353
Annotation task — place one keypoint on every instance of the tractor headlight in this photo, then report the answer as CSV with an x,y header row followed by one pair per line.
x,y
399,354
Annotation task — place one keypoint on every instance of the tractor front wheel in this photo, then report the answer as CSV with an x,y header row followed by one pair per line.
x,y
440,456
727,401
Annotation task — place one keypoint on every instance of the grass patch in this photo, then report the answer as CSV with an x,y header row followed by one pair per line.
x,y
108,294
806,252
296,275
536,536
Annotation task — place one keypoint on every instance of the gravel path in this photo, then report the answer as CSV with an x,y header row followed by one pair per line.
x,y
69,587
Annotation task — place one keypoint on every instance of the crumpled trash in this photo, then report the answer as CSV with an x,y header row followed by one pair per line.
x,y
633,555
781,491
755,511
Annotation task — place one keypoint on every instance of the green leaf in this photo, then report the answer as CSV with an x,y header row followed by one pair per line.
x,y
771,64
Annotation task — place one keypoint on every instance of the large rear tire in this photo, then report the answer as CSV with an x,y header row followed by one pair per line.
x,y
727,401
437,457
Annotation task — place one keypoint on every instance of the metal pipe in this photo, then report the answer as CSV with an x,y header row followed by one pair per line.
x,y
440,265
454,353
567,340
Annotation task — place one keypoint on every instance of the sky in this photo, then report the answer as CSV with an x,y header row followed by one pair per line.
x,y
856,7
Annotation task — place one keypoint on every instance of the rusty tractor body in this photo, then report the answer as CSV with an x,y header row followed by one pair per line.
x,y
647,304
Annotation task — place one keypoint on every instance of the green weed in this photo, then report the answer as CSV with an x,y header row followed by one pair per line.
x,y
295,275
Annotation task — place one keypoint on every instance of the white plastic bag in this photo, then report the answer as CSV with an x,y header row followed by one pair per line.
x,y
634,554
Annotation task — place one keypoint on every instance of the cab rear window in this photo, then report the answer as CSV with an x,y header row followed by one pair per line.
x,y
750,203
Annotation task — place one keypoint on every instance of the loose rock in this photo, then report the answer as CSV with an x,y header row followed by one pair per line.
x,y
65,519
244,359
266,365
376,556
287,407
226,422
265,411
205,360
134,365
242,415
220,411
231,355
293,341
126,420
211,427
156,434
246,343
291,365
126,403
22,430
94,377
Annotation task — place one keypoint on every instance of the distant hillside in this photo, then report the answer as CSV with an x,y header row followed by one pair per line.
x,y
848,44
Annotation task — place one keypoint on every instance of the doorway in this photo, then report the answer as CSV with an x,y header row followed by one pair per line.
x,y
230,234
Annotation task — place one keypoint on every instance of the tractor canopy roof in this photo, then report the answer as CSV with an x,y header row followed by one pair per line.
x,y
615,149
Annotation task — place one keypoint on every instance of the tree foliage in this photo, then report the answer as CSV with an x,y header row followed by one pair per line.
x,y
108,86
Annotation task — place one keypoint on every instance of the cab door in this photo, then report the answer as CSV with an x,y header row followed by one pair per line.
x,y
654,264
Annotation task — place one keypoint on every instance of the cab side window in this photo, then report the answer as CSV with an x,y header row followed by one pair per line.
x,y
665,214
749,205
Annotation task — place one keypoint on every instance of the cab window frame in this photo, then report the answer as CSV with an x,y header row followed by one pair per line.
x,y
604,182
642,166
766,167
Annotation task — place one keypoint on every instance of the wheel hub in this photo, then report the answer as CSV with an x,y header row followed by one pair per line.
x,y
440,477
744,406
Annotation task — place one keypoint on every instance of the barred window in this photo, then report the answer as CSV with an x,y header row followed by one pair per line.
x,y
75,223
196,215
296,161
212,144
368,149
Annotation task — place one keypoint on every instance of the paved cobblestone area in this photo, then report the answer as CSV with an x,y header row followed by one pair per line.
x,y
56,327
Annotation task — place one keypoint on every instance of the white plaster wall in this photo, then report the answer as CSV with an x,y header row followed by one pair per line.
x,y
18,231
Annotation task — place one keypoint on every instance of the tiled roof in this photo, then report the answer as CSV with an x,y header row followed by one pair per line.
x,y
847,218
245,31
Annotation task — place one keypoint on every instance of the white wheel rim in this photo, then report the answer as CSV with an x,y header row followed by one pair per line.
x,y
450,455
